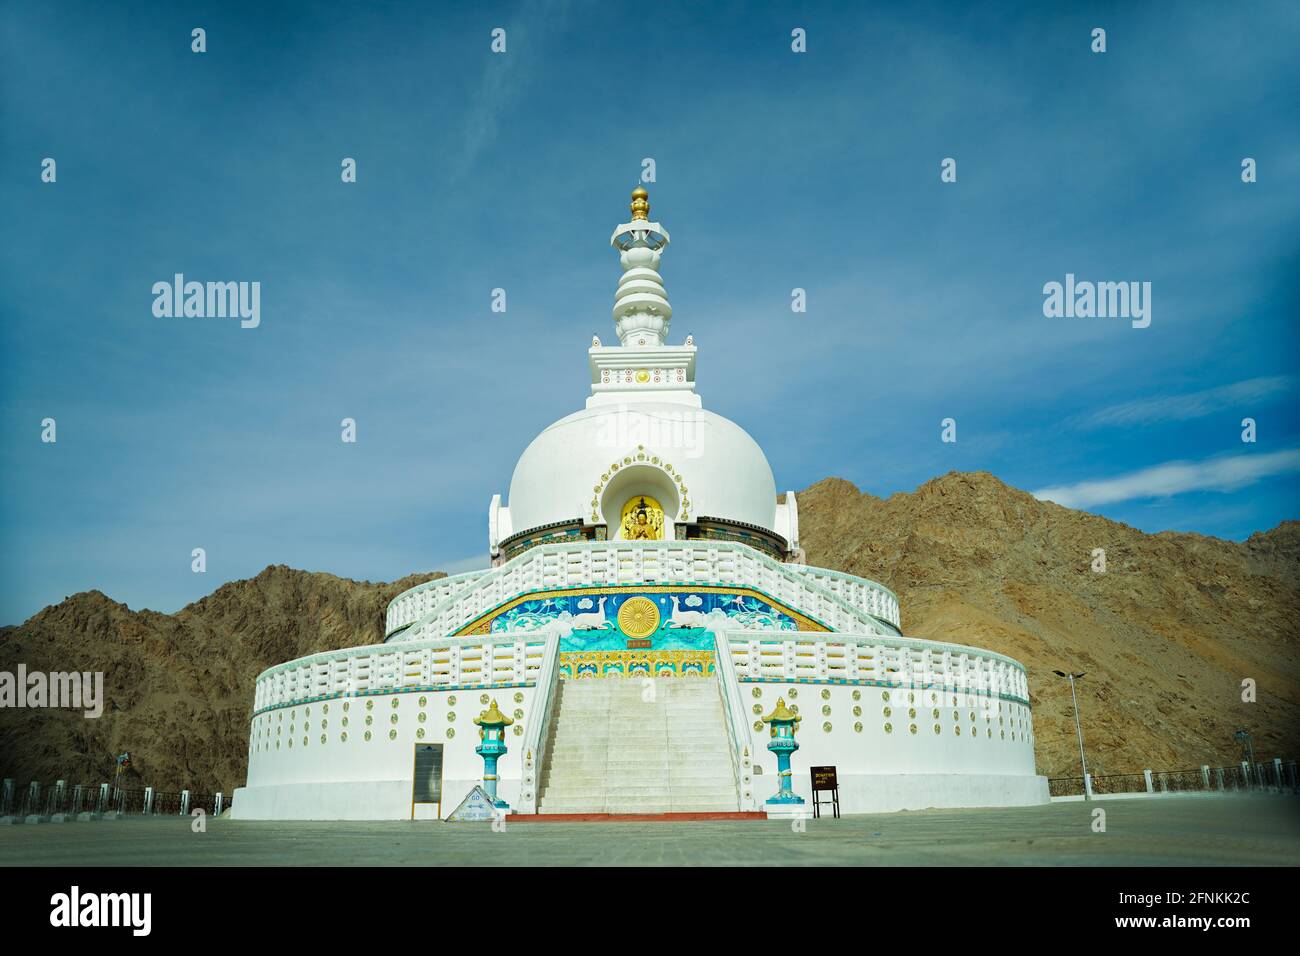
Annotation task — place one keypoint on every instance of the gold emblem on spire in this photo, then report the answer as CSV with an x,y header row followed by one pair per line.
x,y
640,204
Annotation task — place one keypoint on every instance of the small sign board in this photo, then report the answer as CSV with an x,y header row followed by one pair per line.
x,y
825,780
635,643
477,807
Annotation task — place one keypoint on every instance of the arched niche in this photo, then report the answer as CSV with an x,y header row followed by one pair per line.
x,y
634,481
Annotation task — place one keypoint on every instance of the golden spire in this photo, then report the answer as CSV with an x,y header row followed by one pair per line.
x,y
640,204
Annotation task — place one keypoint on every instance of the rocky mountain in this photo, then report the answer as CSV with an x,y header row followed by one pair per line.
x,y
1166,636
178,687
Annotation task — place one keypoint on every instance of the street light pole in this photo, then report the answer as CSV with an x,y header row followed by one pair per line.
x,y
1078,729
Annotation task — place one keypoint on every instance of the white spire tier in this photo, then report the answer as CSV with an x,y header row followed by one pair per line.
x,y
643,367
641,310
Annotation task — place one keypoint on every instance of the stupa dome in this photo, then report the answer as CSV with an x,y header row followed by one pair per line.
x,y
691,462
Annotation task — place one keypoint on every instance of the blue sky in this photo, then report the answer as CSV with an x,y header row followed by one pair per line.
x,y
775,170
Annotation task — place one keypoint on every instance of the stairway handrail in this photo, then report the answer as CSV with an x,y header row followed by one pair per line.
x,y
733,706
537,726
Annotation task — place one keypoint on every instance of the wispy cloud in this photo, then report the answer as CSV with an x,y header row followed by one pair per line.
x,y
1175,477
507,76
1175,408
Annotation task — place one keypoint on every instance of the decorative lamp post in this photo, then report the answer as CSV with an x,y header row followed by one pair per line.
x,y
492,732
782,721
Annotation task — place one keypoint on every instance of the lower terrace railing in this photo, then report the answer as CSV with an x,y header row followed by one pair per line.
x,y
39,802
459,662
1275,776
875,659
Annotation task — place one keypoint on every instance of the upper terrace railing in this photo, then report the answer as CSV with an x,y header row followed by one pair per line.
x,y
889,661
421,599
390,668
651,562
876,599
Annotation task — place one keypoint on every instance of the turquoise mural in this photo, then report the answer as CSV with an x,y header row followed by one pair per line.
x,y
664,639
681,622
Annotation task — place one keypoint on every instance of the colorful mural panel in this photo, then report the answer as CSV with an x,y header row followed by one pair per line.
x,y
666,618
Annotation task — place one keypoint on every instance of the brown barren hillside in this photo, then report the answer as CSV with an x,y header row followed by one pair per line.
x,y
1165,636
178,687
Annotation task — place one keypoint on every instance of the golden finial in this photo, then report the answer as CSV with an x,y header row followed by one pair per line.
x,y
640,203
781,712
493,716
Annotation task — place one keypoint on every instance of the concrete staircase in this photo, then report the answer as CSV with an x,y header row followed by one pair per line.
x,y
613,752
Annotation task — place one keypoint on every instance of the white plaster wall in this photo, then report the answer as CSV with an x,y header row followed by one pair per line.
x,y
872,750
888,793
360,779
882,771
879,771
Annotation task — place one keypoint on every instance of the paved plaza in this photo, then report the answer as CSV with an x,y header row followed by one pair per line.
x,y
1174,831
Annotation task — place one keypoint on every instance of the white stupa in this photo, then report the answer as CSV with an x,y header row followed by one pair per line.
x,y
648,608
574,480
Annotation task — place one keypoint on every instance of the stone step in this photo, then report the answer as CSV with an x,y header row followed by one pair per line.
x,y
613,751
641,745
663,782
587,763
660,700
662,691
626,755
658,742
632,791
580,806
603,726
641,731
613,721
692,763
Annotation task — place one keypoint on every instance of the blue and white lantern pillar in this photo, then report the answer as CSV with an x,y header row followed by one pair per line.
x,y
782,721
492,732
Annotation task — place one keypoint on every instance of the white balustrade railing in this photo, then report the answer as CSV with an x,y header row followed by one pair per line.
x,y
874,658
410,605
537,728
739,731
376,668
595,564
876,599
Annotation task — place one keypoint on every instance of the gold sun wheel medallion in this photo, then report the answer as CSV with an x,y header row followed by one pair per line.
x,y
638,617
